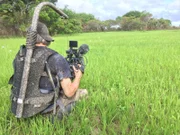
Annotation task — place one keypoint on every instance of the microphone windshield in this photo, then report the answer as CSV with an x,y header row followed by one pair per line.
x,y
83,49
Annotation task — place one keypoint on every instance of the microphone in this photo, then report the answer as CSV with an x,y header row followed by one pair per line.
x,y
83,49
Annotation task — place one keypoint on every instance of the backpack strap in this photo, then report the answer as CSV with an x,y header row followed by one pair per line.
x,y
56,89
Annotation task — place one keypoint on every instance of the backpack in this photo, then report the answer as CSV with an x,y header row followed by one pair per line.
x,y
35,101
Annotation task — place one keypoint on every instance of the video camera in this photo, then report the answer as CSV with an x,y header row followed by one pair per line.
x,y
75,56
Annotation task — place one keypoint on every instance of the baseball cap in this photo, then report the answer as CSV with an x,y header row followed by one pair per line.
x,y
42,30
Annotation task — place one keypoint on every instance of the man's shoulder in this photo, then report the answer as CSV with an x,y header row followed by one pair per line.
x,y
56,58
58,63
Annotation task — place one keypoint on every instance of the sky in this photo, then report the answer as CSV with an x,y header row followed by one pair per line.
x,y
110,9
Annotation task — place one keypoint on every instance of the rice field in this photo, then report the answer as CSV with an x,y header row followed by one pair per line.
x,y
133,80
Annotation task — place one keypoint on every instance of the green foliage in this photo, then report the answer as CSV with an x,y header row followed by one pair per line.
x,y
135,20
16,16
52,20
118,18
161,23
128,23
69,12
72,26
93,25
110,23
85,18
79,21
133,14
38,1
145,16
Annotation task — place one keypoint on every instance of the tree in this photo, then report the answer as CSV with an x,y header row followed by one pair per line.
x,y
111,24
130,23
161,23
118,18
133,14
72,26
71,14
164,23
145,17
83,18
93,25
134,20
16,15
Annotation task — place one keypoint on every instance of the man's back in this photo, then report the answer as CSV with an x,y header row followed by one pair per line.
x,y
34,101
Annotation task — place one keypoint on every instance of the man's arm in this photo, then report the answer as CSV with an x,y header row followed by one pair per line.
x,y
70,87
61,67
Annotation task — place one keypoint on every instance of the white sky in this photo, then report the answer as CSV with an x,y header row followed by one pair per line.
x,y
110,9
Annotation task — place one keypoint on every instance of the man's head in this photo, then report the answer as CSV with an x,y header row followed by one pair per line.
x,y
43,34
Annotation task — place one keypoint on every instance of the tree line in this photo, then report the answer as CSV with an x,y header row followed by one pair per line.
x,y
16,15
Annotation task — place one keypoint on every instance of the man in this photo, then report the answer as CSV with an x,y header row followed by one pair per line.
x,y
39,99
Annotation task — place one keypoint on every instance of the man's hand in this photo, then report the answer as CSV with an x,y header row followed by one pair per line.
x,y
77,72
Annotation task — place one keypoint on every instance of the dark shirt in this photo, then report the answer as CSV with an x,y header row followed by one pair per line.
x,y
58,66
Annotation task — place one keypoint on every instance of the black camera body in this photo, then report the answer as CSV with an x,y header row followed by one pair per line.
x,y
75,56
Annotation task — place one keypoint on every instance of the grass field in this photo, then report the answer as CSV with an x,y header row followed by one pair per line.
x,y
133,79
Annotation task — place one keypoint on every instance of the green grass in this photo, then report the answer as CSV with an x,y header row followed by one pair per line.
x,y
133,79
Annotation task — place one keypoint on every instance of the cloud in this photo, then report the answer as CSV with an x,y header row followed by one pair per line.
x,y
103,10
